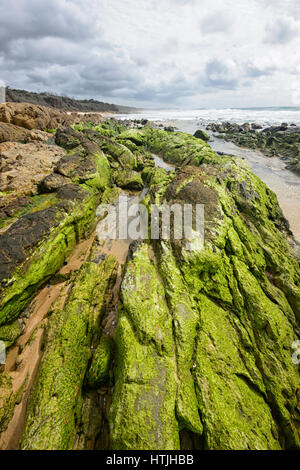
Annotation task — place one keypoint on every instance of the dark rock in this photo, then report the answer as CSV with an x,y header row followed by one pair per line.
x,y
67,138
68,164
200,134
256,126
52,183
72,192
22,236
10,209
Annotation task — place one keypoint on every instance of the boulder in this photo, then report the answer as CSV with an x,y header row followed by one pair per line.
x,y
128,179
31,117
52,183
23,166
200,134
12,133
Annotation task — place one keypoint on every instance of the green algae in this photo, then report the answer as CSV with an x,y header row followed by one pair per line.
x,y
203,341
48,257
145,388
185,323
100,365
55,402
234,412
8,399
10,333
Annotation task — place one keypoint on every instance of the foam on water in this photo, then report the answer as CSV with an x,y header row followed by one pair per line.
x,y
265,116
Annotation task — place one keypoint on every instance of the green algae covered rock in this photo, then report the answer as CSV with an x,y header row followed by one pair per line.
x,y
143,408
129,179
202,351
234,305
100,365
55,402
10,333
9,398
200,134
35,247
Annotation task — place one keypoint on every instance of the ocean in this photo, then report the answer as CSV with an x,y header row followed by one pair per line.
x,y
264,116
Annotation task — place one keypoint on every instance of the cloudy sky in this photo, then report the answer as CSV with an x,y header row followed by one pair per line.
x,y
155,53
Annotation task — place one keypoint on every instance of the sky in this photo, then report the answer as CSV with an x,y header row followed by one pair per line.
x,y
155,53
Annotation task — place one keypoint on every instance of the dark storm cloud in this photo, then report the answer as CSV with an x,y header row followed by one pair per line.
x,y
57,48
33,19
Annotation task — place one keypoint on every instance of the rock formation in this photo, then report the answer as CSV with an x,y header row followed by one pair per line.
x,y
175,349
281,141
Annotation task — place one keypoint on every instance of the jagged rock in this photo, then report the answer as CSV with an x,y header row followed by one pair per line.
x,y
256,126
31,117
282,141
35,247
52,183
12,133
23,166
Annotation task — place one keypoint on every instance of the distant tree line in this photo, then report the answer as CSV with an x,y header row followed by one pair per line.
x,y
62,102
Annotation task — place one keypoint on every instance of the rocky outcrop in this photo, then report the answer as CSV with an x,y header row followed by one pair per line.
x,y
32,117
281,141
223,321
23,166
186,346
12,133
20,116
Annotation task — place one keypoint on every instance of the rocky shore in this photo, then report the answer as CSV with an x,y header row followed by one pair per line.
x,y
169,349
282,141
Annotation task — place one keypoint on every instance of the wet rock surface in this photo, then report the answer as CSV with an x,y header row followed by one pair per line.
x,y
281,141
186,344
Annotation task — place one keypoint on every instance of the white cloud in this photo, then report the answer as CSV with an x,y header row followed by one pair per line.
x,y
180,52
217,22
